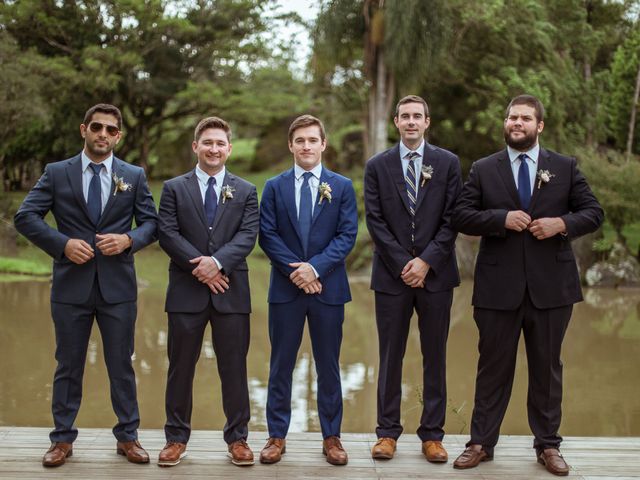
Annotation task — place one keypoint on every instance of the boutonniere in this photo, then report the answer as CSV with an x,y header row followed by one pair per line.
x,y
324,191
426,173
120,185
543,177
227,192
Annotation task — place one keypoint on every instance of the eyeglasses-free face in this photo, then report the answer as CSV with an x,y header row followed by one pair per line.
x,y
96,127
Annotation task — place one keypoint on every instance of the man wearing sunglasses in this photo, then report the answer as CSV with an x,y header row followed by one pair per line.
x,y
94,198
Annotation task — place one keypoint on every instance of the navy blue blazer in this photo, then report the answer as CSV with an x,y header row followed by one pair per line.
x,y
334,229
389,219
59,190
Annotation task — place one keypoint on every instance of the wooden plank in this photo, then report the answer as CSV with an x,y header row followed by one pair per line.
x,y
95,457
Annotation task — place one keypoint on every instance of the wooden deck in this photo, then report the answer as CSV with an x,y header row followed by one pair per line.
x,y
94,457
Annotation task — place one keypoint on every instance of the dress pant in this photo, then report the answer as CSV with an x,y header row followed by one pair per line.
x,y
230,336
393,316
499,335
286,325
73,323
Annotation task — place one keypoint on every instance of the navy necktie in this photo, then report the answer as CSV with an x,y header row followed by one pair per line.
x,y
524,182
410,180
304,216
94,197
210,201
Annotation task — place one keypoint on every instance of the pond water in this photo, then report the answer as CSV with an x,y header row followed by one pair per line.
x,y
601,357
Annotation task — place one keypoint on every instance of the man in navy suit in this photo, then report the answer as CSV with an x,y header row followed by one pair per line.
x,y
208,224
94,198
527,203
410,191
308,226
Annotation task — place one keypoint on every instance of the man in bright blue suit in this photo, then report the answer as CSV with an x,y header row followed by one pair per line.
x,y
94,198
308,226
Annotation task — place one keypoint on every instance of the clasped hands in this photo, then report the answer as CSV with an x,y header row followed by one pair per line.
x,y
305,278
79,251
540,228
415,272
208,273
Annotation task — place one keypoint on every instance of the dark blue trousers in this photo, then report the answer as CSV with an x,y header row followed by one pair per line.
x,y
286,325
73,325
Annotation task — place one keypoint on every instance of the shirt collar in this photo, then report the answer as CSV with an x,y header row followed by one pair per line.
x,y
203,176
108,162
532,153
299,171
404,149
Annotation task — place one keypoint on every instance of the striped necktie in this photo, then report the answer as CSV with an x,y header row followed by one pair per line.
x,y
410,180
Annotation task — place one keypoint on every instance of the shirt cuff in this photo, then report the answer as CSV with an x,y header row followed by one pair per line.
x,y
217,262
314,271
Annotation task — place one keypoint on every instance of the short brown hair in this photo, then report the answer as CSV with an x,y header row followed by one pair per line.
x,y
103,108
306,121
211,122
413,99
530,101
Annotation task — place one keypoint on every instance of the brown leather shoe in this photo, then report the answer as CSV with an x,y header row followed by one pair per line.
x,y
471,457
57,454
273,450
384,449
171,454
332,448
434,451
240,453
133,451
552,460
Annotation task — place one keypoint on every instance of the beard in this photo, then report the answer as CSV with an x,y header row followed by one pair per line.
x,y
521,144
98,150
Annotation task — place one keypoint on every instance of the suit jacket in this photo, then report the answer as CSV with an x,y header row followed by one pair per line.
x,y
334,227
59,190
184,234
510,262
389,219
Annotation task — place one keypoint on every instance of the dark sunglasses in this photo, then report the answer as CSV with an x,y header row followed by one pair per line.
x,y
97,127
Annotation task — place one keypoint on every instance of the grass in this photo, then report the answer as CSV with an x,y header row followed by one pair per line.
x,y
24,266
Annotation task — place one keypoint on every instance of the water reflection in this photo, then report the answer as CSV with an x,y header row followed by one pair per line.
x,y
601,355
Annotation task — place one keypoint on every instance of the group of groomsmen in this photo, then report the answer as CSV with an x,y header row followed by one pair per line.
x,y
527,203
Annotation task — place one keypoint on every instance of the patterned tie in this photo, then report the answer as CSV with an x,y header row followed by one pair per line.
x,y
210,201
94,197
410,180
304,216
524,182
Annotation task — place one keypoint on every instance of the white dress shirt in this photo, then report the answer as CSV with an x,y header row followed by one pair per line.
x,y
532,163
105,178
203,183
404,150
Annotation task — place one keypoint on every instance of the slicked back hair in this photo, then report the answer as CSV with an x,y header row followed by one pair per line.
x,y
211,122
304,121
103,108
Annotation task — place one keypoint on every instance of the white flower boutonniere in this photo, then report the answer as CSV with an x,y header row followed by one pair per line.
x,y
120,185
426,174
544,177
324,191
227,192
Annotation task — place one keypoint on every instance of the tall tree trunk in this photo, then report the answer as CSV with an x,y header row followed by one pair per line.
x,y
590,118
632,120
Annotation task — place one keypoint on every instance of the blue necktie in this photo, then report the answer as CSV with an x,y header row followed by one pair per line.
x,y
524,182
210,201
304,216
94,197
410,180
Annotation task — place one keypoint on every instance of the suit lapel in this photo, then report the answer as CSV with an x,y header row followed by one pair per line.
x,y
429,158
325,176
394,167
287,188
74,174
229,180
544,162
191,182
116,169
506,173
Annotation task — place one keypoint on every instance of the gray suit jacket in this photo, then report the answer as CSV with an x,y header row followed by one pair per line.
x,y
59,190
184,234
